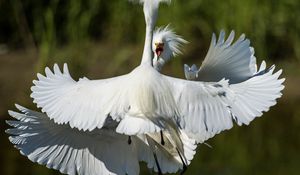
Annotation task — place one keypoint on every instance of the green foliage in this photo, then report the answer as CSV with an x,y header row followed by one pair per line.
x,y
272,26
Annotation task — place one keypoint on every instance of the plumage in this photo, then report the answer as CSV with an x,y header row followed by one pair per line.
x,y
72,151
207,108
234,61
172,44
228,88
172,41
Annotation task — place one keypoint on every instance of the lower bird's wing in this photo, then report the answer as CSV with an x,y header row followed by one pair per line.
x,y
209,108
71,151
84,104
102,151
225,59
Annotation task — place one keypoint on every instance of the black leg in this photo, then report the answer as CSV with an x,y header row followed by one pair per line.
x,y
129,140
184,167
162,138
157,164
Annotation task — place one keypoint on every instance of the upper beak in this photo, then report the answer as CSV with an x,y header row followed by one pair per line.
x,y
159,48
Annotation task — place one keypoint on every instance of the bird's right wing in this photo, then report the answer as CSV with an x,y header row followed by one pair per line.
x,y
208,108
225,59
102,151
84,104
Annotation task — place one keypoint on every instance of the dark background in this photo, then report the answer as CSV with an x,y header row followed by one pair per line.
x,y
101,38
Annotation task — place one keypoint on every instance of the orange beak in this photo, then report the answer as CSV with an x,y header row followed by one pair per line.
x,y
159,48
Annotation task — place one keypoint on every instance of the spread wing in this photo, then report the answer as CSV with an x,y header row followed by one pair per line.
x,y
71,151
225,59
84,104
101,151
209,108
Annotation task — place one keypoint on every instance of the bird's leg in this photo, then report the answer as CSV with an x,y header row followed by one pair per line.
x,y
129,140
184,167
157,164
162,138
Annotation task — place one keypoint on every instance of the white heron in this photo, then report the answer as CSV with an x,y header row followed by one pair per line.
x,y
230,71
78,150
225,59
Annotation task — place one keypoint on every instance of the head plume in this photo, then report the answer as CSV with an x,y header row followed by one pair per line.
x,y
170,40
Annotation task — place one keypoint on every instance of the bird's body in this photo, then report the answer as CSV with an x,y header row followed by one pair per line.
x,y
149,101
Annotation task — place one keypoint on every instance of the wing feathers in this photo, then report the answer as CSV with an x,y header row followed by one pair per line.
x,y
84,104
209,108
72,151
225,59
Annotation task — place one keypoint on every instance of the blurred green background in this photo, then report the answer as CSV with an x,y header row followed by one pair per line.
x,y
101,38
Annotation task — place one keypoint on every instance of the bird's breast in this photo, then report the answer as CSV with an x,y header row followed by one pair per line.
x,y
149,94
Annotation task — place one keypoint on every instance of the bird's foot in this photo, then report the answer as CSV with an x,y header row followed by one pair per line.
x,y
162,141
129,140
184,167
157,164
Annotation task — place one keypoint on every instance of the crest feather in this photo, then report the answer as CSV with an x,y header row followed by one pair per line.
x,y
172,41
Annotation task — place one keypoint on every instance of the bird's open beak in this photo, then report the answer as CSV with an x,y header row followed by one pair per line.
x,y
159,48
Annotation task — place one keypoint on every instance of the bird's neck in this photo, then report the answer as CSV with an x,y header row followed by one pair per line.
x,y
150,12
147,53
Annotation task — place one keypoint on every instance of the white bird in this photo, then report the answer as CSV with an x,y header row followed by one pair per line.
x,y
75,148
147,96
225,59
229,87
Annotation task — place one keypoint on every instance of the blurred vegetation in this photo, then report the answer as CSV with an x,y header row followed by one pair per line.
x,y
47,25
101,38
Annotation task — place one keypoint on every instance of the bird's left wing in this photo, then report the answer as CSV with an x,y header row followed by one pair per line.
x,y
101,151
208,108
84,104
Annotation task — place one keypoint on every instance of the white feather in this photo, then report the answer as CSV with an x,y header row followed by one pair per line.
x,y
225,59
84,104
72,151
209,108
172,46
101,151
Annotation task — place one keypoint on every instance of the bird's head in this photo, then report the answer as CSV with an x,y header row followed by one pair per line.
x,y
166,43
